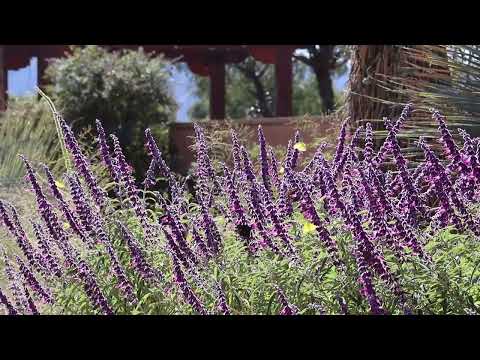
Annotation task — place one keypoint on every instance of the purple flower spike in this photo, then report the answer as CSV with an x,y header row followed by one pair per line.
x,y
63,206
187,291
33,282
368,258
4,300
451,149
287,308
138,260
280,229
31,304
214,240
150,175
295,152
284,202
444,187
340,144
162,166
237,209
234,200
51,260
472,162
49,217
310,213
105,151
336,204
157,155
222,301
368,150
382,152
15,285
237,160
123,284
288,160
83,209
15,228
130,188
343,305
274,168
264,160
178,232
82,164
415,207
254,186
201,247
92,289
206,168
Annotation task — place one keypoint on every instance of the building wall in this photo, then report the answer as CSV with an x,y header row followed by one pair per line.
x,y
278,131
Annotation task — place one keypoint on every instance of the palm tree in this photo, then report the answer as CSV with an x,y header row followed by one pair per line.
x,y
447,77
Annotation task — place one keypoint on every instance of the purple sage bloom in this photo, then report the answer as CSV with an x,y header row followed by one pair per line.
x,y
15,285
82,164
287,308
15,228
72,221
33,282
264,161
8,305
188,294
128,182
138,259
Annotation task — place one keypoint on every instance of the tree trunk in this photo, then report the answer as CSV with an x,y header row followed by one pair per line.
x,y
261,96
368,63
325,89
260,93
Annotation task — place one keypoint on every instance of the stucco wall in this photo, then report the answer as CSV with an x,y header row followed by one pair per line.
x,y
277,132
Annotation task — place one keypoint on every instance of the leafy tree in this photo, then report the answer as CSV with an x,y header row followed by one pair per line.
x,y
128,91
250,91
324,61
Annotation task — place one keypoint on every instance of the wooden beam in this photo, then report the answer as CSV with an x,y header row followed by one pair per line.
x,y
3,81
283,79
217,89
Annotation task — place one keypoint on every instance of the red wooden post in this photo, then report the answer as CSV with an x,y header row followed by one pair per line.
x,y
217,89
283,78
3,81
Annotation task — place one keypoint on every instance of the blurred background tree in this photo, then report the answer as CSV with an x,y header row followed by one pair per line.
x,y
128,91
325,61
251,84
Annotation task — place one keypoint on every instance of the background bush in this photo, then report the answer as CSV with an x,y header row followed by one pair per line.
x,y
128,91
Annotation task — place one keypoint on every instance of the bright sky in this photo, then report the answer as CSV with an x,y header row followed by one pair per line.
x,y
23,82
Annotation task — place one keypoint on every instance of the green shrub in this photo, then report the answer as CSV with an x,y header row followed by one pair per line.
x,y
127,90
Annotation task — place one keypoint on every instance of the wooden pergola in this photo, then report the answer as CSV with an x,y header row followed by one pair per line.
x,y
203,60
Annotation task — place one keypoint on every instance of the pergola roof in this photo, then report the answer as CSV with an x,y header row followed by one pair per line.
x,y
196,56
203,60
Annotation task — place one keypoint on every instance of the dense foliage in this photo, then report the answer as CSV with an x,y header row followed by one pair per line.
x,y
338,236
250,91
129,91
